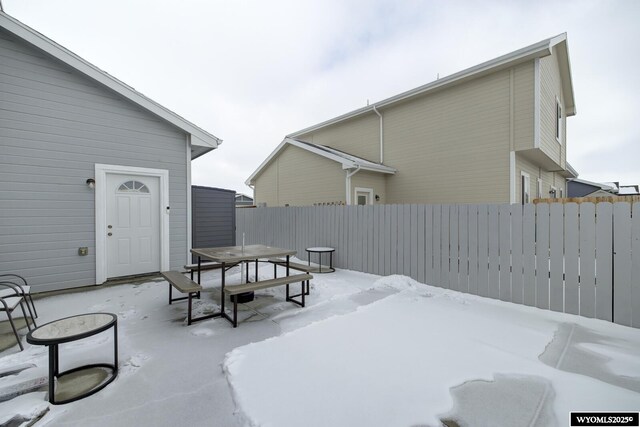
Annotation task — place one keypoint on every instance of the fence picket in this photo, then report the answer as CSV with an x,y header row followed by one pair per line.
x,y
556,251
420,260
387,239
622,263
542,255
406,240
375,268
394,240
517,287
473,249
413,234
453,247
444,247
463,238
483,250
571,247
604,248
494,251
505,252
437,245
588,259
428,244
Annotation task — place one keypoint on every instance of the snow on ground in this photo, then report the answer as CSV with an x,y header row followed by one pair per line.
x,y
365,351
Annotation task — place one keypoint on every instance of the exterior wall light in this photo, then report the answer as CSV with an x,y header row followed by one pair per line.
x,y
91,183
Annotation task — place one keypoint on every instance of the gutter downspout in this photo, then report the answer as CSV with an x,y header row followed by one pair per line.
x,y
381,136
348,183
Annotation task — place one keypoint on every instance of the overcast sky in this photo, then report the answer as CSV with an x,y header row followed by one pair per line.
x,y
251,72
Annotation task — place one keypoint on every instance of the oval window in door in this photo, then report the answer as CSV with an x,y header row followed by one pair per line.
x,y
133,187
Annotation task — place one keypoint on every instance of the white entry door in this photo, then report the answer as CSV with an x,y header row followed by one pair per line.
x,y
132,224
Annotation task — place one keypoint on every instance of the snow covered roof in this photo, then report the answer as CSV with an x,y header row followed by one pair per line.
x,y
628,190
201,140
348,161
606,186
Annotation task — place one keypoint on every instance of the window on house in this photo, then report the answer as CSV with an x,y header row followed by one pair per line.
x,y
525,188
133,187
364,196
558,121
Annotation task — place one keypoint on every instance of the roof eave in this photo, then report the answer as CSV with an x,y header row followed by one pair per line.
x,y
536,50
59,52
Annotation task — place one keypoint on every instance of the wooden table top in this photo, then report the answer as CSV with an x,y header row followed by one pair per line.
x,y
228,254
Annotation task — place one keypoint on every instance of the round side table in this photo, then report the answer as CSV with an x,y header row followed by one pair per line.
x,y
71,329
322,250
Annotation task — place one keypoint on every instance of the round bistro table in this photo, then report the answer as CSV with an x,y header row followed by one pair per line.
x,y
71,329
322,250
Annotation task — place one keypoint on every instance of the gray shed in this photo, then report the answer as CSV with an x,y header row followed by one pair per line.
x,y
95,178
213,217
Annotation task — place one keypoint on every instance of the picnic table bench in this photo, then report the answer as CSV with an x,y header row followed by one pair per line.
x,y
186,286
265,284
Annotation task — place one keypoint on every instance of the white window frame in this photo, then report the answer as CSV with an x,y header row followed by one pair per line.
x,y
357,190
559,112
527,179
101,172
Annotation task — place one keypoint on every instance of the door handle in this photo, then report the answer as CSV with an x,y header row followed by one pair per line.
x,y
109,226
109,234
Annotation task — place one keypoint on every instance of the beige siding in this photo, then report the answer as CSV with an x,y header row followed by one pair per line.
x,y
550,88
359,136
549,179
373,180
451,146
523,95
266,186
300,178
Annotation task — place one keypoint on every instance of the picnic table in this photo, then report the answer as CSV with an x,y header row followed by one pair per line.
x,y
233,255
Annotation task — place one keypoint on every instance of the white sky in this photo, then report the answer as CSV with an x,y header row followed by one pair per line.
x,y
251,72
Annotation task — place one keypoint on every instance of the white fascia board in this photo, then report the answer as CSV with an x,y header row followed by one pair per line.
x,y
536,50
47,45
363,167
562,48
346,163
322,153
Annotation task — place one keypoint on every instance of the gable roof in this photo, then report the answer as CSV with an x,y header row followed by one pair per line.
x,y
348,161
537,50
201,140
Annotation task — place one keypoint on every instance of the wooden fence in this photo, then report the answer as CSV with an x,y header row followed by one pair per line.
x,y
581,259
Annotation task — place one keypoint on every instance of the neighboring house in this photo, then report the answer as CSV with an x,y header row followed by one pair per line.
x,y
95,177
243,200
582,188
495,132
624,190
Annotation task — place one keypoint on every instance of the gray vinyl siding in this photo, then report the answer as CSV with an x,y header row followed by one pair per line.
x,y
55,125
213,216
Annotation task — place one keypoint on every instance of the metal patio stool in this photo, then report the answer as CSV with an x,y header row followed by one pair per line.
x,y
20,284
9,300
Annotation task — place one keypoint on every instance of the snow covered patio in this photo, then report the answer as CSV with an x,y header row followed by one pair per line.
x,y
365,351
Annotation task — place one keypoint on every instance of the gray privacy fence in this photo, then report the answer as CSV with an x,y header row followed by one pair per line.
x,y
581,259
